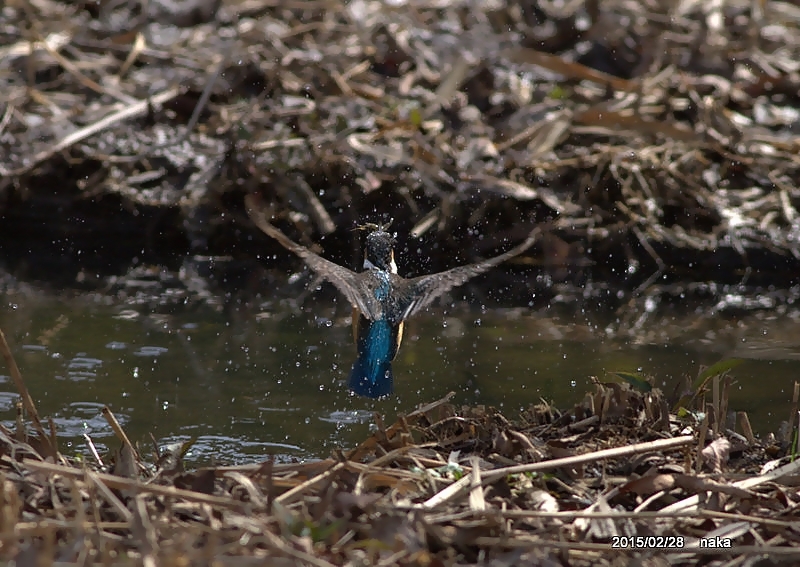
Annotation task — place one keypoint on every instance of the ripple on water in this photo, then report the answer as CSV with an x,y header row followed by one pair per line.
x,y
81,361
235,450
116,345
78,376
82,367
85,417
353,416
150,351
7,400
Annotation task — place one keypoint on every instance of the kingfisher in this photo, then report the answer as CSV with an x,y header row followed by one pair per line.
x,y
382,300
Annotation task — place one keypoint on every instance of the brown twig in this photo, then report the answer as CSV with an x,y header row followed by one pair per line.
x,y
126,113
27,400
135,486
460,486
118,431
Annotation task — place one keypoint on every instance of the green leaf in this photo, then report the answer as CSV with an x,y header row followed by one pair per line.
x,y
415,117
557,93
716,369
319,532
683,413
636,381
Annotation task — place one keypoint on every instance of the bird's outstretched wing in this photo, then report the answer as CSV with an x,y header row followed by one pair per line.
x,y
417,293
346,281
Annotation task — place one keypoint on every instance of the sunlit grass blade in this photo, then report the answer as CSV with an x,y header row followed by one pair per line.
x,y
636,380
716,369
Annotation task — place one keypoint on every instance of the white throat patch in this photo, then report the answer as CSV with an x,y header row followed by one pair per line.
x,y
369,265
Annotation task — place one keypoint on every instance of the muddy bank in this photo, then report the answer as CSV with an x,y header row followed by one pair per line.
x,y
662,140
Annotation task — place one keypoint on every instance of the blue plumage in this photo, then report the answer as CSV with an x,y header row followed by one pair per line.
x,y
371,375
381,298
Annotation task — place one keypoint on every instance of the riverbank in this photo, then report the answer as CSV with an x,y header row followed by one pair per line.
x,y
661,140
629,471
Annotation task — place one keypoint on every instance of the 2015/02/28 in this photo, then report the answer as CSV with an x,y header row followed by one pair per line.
x,y
647,542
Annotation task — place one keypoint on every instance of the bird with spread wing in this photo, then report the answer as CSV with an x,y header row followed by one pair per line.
x,y
381,299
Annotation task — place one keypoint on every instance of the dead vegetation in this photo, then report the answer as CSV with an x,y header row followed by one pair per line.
x,y
662,135
620,475
659,134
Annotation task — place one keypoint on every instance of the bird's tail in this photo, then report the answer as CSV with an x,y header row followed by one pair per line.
x,y
372,379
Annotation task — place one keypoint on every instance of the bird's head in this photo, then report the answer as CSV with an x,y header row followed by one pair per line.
x,y
379,252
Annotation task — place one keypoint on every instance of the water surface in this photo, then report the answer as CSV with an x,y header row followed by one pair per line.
x,y
249,383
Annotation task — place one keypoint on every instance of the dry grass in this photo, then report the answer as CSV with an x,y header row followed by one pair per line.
x,y
648,128
440,486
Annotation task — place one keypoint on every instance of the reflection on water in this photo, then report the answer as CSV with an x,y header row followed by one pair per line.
x,y
245,386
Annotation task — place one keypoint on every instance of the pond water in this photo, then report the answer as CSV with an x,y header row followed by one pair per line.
x,y
247,383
